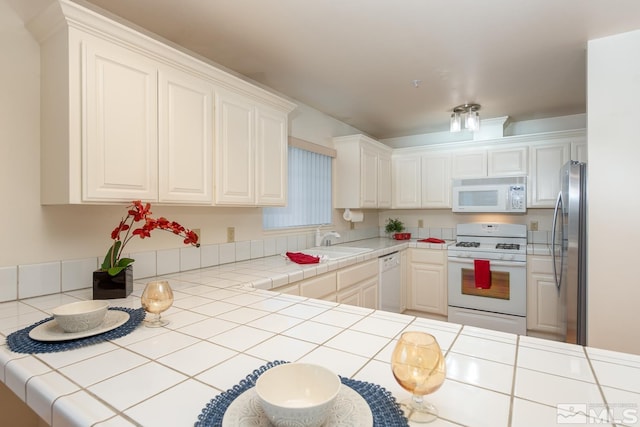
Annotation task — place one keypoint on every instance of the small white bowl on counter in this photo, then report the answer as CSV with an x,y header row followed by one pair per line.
x,y
80,316
297,394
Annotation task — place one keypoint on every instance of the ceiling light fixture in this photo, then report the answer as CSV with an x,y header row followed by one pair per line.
x,y
471,117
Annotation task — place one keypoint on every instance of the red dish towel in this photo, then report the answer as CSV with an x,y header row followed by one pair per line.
x,y
482,271
431,240
300,258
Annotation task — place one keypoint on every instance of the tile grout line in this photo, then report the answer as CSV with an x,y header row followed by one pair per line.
x,y
513,382
595,378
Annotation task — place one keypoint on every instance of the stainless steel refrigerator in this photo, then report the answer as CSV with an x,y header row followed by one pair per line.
x,y
569,250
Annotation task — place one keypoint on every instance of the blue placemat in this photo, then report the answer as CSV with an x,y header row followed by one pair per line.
x,y
21,342
384,408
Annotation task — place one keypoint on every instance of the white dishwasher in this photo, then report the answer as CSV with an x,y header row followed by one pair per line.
x,y
389,282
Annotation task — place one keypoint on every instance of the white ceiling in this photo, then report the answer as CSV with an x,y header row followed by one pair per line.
x,y
356,60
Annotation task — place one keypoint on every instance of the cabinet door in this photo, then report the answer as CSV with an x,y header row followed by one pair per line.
x,y
507,161
579,151
271,157
544,185
406,182
185,155
351,296
404,280
120,122
369,294
368,177
469,164
542,304
384,180
436,180
428,288
234,150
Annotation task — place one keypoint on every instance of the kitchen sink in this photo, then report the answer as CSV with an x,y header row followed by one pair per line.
x,y
335,252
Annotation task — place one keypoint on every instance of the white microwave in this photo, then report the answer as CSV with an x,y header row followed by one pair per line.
x,y
503,194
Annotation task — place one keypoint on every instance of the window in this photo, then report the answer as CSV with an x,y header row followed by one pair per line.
x,y
309,188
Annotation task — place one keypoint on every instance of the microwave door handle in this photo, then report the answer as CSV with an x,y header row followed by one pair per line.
x,y
557,211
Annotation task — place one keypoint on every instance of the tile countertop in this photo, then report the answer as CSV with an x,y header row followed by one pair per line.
x,y
220,330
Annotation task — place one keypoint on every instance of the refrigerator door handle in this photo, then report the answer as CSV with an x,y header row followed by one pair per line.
x,y
558,210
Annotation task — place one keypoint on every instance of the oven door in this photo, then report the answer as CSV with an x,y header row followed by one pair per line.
x,y
507,293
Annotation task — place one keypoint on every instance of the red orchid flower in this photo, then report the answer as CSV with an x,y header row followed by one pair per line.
x,y
136,212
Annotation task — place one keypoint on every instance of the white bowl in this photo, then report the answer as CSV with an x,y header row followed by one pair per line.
x,y
297,394
80,316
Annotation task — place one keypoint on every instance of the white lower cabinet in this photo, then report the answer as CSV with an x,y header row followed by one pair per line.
x,y
542,297
427,274
354,285
319,287
358,284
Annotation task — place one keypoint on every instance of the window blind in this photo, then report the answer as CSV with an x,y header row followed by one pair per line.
x,y
309,192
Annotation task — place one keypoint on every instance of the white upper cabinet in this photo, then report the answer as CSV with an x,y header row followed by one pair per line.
x,y
185,154
362,173
494,161
422,180
407,181
579,151
384,179
507,161
235,148
544,182
126,117
469,164
436,180
271,157
119,129
250,153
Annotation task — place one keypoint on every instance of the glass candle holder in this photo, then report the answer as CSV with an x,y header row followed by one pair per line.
x,y
156,298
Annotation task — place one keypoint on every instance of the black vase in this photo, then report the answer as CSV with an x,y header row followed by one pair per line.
x,y
106,286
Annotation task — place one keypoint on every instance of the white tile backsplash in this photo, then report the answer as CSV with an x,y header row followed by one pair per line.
x,y
8,283
145,265
292,243
168,261
78,273
190,258
257,249
31,280
281,245
38,279
243,251
269,247
227,253
209,255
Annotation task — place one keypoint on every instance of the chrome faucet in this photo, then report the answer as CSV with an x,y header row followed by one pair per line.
x,y
325,239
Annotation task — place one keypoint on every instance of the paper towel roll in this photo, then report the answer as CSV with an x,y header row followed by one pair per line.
x,y
353,216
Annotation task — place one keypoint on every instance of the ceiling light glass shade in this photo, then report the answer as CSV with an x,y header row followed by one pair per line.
x,y
473,121
468,113
455,123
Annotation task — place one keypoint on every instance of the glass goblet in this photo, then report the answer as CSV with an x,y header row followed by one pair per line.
x,y
156,298
418,366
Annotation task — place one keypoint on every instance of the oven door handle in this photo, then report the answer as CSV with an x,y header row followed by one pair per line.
x,y
491,262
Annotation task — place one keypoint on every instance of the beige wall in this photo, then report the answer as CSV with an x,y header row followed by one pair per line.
x,y
33,233
614,199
